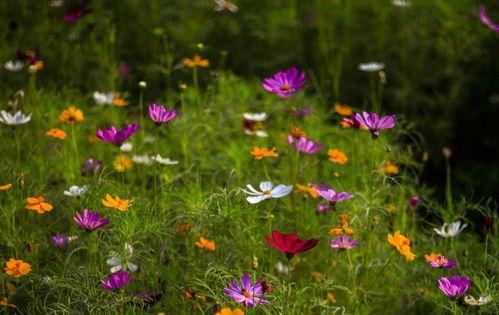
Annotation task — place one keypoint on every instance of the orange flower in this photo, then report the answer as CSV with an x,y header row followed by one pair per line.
x,y
71,115
402,244
56,133
196,62
331,297
390,168
122,163
260,153
337,156
6,187
116,203
38,65
343,110
312,191
118,101
229,311
4,302
297,132
206,244
343,227
38,204
17,268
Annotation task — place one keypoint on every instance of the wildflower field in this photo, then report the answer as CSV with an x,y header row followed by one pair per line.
x,y
143,172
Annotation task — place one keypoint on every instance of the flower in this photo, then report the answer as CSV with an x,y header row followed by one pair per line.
x,y
343,227
116,203
290,244
56,133
12,120
118,101
401,3
391,168
330,195
126,147
255,116
14,66
75,191
103,98
228,310
252,128
60,240
453,229
91,167
206,244
297,132
371,66
413,203
351,122
304,145
90,220
283,268
160,115
343,110
373,123
285,83
343,242
4,302
197,61
302,112
71,115
225,6
260,153
488,221
402,244
143,159
266,192
439,261
164,161
122,163
38,204
115,136
117,262
484,299
17,268
454,286
485,20
337,156
116,281
5,187
308,189
246,293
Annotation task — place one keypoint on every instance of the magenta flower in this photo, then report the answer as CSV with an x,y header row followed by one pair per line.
x,y
413,203
60,240
343,242
91,166
246,293
285,83
160,115
485,19
323,207
373,123
74,14
302,112
90,220
439,261
454,286
332,196
116,281
304,145
115,136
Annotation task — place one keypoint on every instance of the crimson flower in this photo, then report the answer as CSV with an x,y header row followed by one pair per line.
x,y
290,244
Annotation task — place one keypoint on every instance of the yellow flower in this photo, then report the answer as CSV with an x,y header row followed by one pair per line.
x,y
206,244
390,168
331,297
197,61
228,311
17,268
56,133
38,204
260,153
118,101
343,109
116,203
337,156
312,191
6,187
402,244
71,115
343,227
122,163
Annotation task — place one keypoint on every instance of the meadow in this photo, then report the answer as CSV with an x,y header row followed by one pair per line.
x,y
185,186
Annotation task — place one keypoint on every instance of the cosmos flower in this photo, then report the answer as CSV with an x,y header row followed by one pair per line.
x,y
482,14
75,191
143,159
255,116
267,191
390,168
60,240
260,153
309,189
38,204
159,115
17,268
228,310
117,262
351,122
450,230
413,203
336,156
484,299
75,13
225,6
290,244
126,147
252,128
247,293
343,228
343,110
115,136
206,244
371,66
122,163
12,120
304,145
116,203
402,244
454,286
5,187
374,124
164,161
302,112
103,98
90,220
56,133
285,83
401,3
332,196
91,166
197,61
343,242
14,66
116,281
439,261
283,268
71,115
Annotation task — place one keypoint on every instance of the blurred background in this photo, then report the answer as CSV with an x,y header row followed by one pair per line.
x,y
442,65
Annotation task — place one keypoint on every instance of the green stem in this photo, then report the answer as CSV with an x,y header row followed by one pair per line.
x,y
352,274
75,147
156,151
141,109
288,288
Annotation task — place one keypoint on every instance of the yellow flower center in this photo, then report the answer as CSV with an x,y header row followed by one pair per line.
x,y
266,192
247,294
286,87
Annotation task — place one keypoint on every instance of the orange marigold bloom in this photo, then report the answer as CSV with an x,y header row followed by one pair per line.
x,y
206,244
343,110
260,153
343,227
118,101
122,163
71,115
56,133
391,168
229,311
197,61
116,203
312,191
337,156
38,204
17,268
402,244
6,187
297,132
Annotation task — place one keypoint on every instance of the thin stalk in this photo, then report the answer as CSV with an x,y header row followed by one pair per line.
x,y
156,150
141,109
75,147
352,274
288,288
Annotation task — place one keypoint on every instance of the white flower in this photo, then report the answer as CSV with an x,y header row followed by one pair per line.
x,y
401,3
371,66
164,161
72,237
225,5
484,299
452,230
14,66
75,191
142,159
266,192
126,147
149,139
103,98
283,268
258,133
17,119
56,3
117,262
255,116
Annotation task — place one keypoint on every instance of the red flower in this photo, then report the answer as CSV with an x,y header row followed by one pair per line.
x,y
290,244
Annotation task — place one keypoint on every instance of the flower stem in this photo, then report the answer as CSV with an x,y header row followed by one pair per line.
x,y
288,288
156,151
352,274
141,109
75,147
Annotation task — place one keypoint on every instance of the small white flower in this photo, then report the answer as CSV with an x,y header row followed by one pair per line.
x,y
103,98
371,66
283,268
255,116
225,5
75,191
72,237
450,231
484,299
401,3
142,159
149,139
117,262
17,119
56,3
14,66
164,161
266,192
126,147
258,133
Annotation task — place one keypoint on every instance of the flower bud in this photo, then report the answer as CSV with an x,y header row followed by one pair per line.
x,y
143,85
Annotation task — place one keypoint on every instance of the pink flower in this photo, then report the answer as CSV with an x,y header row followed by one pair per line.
x,y
285,83
304,145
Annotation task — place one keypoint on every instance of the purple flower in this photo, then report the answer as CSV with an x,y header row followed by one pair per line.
x,y
73,14
304,145
90,220
439,261
330,195
343,242
302,112
160,115
115,136
413,203
246,293
285,83
454,286
60,240
373,123
323,207
485,19
91,167
116,281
